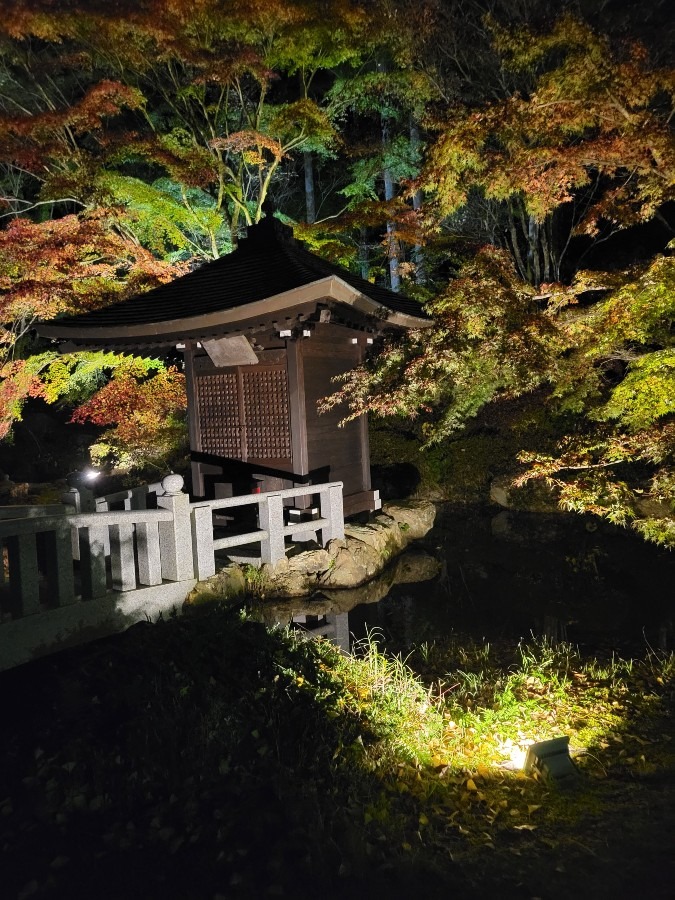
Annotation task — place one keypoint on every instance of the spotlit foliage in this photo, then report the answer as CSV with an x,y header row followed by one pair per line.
x,y
578,150
586,127
510,168
488,341
145,404
67,265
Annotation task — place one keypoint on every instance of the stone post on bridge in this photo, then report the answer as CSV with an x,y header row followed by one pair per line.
x,y
175,537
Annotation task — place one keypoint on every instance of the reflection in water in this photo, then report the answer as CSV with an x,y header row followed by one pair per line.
x,y
548,576
334,626
327,613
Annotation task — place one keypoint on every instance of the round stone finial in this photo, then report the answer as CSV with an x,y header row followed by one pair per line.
x,y
173,483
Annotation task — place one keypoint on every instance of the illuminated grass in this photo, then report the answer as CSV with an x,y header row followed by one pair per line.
x,y
484,715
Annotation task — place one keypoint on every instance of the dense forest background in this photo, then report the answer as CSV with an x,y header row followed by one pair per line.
x,y
511,169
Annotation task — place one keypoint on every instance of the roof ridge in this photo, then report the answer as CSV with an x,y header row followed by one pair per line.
x,y
267,268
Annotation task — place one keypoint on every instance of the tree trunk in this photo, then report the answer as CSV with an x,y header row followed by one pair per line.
x,y
515,248
533,262
418,253
364,262
310,195
392,242
546,253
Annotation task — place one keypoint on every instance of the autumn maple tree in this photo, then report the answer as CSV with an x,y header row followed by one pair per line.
x,y
579,150
511,170
66,265
142,136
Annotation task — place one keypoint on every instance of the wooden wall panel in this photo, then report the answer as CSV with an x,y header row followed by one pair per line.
x,y
243,413
218,414
327,444
266,414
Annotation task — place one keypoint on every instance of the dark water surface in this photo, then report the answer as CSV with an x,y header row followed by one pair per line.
x,y
507,575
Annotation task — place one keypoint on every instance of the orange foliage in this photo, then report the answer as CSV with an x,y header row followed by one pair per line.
x,y
147,414
17,382
71,265
127,401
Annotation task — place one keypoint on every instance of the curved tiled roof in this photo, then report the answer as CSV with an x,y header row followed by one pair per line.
x,y
269,262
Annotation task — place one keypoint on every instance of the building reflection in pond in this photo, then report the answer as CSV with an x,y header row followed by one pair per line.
x,y
326,613
333,626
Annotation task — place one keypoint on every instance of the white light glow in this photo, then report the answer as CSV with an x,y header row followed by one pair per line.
x,y
515,751
517,756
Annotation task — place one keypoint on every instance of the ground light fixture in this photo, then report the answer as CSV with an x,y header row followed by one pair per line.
x,y
551,759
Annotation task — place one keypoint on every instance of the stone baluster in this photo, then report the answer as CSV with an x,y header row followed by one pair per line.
x,y
147,548
272,547
80,500
175,537
24,579
332,509
122,558
92,553
139,497
202,542
59,565
102,504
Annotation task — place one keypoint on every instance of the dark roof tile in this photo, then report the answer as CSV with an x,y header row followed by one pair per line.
x,y
268,262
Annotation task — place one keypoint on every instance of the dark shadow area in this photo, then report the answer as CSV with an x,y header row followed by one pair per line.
x,y
241,475
184,760
209,756
45,445
508,574
395,481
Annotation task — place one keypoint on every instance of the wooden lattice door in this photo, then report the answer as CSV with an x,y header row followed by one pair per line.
x,y
244,414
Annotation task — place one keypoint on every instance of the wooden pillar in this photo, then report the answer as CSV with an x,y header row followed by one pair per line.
x,y
298,414
193,419
364,439
365,451
296,400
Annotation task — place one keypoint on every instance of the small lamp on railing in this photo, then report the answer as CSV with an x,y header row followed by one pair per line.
x,y
79,494
80,478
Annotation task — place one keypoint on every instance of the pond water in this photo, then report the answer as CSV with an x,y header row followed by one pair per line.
x,y
500,574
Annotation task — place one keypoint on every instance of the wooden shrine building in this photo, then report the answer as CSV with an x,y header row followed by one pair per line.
x,y
263,331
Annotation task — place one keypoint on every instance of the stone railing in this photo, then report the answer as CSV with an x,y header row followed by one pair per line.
x,y
272,530
68,576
